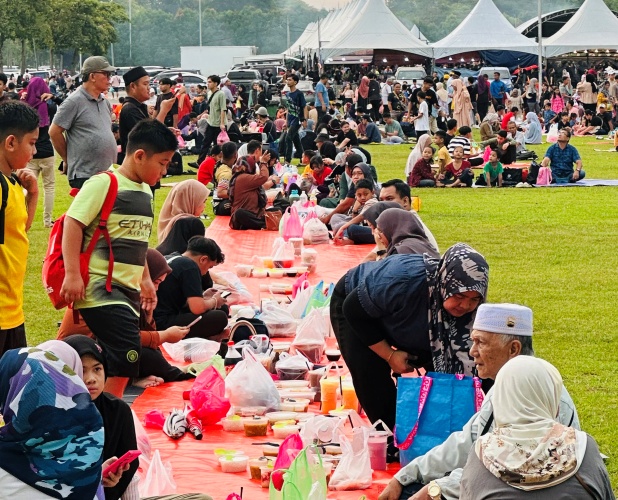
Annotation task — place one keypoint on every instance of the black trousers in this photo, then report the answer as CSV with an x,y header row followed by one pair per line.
x,y
210,137
213,322
482,108
152,362
375,110
244,219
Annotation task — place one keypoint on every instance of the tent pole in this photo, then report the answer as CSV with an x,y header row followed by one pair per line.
x,y
540,38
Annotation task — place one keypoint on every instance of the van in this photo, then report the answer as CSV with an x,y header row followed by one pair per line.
x,y
505,75
409,73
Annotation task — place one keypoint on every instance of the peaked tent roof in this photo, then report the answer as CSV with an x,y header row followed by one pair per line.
x,y
485,28
593,26
373,27
416,33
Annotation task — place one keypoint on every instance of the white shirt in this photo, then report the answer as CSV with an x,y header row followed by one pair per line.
x,y
423,122
386,89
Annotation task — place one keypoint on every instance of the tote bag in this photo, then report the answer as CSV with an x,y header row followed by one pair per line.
x,y
430,408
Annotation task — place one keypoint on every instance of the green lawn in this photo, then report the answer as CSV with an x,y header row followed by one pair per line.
x,y
549,249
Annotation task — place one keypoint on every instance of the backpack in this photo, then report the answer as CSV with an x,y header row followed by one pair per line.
x,y
4,187
53,264
544,177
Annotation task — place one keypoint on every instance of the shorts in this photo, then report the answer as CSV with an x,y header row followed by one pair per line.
x,y
116,327
12,338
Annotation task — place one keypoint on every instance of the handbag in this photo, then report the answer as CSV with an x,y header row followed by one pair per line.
x,y
430,408
272,218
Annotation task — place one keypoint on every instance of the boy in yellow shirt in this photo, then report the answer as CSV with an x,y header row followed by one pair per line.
x,y
19,131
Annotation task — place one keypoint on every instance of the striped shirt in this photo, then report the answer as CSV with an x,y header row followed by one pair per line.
x,y
459,141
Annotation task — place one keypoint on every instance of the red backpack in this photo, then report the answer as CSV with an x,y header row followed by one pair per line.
x,y
53,265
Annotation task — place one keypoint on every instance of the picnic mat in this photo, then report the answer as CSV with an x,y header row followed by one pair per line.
x,y
240,247
587,183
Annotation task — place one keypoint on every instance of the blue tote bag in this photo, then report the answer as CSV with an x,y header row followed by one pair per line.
x,y
430,408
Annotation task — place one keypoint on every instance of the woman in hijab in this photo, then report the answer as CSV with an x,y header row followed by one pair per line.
x,y
462,106
417,153
442,95
489,126
52,442
364,234
37,95
179,235
530,94
588,92
404,312
533,131
482,98
116,414
402,232
185,201
362,99
529,455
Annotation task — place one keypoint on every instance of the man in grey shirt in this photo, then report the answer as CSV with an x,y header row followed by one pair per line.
x,y
500,332
81,132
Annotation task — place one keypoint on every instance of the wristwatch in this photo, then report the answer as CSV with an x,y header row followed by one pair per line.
x,y
434,491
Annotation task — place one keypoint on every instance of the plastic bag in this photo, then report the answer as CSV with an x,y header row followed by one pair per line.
x,y
297,307
304,480
354,469
319,298
222,138
196,368
291,224
249,384
195,350
208,396
552,135
322,429
279,321
283,253
310,334
159,478
239,293
486,154
315,232
154,419
293,367
143,441
288,451
300,284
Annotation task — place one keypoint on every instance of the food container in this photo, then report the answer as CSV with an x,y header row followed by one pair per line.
x,y
297,394
313,352
296,405
276,273
281,430
270,450
283,263
292,384
309,258
292,373
267,262
255,464
291,272
233,424
243,270
301,270
333,355
260,273
279,416
255,426
265,473
332,449
249,411
298,246
339,412
237,463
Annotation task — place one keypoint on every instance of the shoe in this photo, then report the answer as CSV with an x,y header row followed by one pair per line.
x,y
519,185
526,185
193,164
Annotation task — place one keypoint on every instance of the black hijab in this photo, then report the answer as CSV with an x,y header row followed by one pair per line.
x,y
182,231
372,213
404,232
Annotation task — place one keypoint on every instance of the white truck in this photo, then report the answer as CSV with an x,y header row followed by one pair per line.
x,y
215,60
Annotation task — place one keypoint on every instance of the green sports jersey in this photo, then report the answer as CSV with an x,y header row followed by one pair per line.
x,y
129,225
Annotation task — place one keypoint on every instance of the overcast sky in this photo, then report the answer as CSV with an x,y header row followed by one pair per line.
x,y
326,4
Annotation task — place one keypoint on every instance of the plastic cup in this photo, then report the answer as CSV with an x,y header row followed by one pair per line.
x,y
329,388
298,246
377,449
349,400
265,473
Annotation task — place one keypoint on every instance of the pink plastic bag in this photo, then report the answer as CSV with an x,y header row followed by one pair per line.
x,y
292,227
288,451
544,177
154,419
208,396
222,138
486,154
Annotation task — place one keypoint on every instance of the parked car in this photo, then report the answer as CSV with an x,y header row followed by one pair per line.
x,y
187,77
408,73
305,86
245,76
505,75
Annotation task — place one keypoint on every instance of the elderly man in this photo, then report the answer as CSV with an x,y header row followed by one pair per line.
x,y
560,157
500,332
81,132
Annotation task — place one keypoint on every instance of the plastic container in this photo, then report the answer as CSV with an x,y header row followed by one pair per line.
x,y
255,426
301,270
234,463
292,384
292,373
313,352
276,273
333,355
249,411
260,273
377,449
309,258
270,450
296,405
349,400
298,246
233,424
297,393
315,376
283,263
281,431
243,270
255,464
265,473
232,357
267,262
291,272
280,416
329,388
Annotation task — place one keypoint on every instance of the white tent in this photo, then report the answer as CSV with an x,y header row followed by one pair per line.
x,y
485,28
416,33
593,26
374,27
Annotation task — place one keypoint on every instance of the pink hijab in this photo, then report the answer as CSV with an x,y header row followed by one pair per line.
x,y
185,200
363,88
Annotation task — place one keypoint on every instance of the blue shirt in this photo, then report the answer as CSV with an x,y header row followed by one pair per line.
x,y
395,291
373,133
497,88
296,107
562,160
320,88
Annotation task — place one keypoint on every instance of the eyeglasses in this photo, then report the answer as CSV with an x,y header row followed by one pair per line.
x,y
108,74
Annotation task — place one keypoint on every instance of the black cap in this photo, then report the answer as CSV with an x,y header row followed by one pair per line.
x,y
85,346
322,138
456,73
133,75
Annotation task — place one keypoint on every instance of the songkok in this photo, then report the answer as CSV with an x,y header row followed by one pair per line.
x,y
133,75
508,319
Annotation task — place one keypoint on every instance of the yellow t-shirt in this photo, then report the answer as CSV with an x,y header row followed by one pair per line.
x,y
13,257
129,225
444,158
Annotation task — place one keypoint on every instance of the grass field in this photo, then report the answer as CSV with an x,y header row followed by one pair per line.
x,y
549,249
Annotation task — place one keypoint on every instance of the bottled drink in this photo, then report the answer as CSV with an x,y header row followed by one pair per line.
x,y
231,358
303,199
313,199
294,196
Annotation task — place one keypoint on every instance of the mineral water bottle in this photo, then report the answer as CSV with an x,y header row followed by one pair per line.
x,y
231,358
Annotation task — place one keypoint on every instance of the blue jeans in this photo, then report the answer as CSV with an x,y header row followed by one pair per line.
x,y
410,490
360,235
556,179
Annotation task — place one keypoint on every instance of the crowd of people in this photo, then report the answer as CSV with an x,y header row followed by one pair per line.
x,y
408,306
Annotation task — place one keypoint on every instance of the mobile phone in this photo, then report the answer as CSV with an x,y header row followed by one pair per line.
x,y
226,294
194,321
127,458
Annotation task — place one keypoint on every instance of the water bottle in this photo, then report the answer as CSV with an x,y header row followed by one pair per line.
x,y
294,196
313,199
303,200
232,357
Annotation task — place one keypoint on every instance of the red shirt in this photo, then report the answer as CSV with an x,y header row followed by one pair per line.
x,y
422,170
456,173
506,119
206,170
319,178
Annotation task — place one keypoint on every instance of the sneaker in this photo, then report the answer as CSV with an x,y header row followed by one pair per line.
x,y
526,185
519,185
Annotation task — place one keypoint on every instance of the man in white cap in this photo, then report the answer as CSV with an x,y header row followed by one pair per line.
x,y
500,332
89,146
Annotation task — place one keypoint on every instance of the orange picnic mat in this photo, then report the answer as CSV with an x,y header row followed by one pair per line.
x,y
194,465
240,247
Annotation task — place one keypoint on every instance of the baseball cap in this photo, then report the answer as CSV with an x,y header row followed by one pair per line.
x,y
97,63
262,111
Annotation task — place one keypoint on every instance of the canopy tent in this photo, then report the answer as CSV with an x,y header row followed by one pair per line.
x,y
485,28
374,27
416,33
552,23
593,26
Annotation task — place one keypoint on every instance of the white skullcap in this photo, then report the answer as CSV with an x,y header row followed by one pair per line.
x,y
508,319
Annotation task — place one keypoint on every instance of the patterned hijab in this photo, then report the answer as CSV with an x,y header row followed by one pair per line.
x,y
528,449
461,269
184,200
48,413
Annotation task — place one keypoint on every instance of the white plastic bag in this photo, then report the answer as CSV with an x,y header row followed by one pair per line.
x,y
143,441
195,350
292,367
297,307
354,469
239,293
315,232
159,479
249,384
310,334
322,429
279,321
552,135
